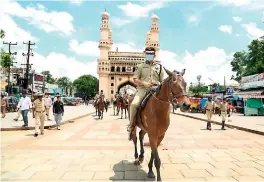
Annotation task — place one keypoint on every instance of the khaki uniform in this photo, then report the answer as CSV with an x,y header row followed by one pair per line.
x,y
209,107
149,73
223,109
39,112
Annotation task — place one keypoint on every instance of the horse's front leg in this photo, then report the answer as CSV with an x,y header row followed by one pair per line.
x,y
134,138
121,113
142,151
102,114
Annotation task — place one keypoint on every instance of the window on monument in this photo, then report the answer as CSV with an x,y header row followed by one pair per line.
x,y
112,84
118,69
108,58
123,69
112,69
134,69
103,69
112,92
112,78
103,63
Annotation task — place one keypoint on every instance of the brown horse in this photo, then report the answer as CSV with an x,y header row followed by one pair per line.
x,y
124,106
95,104
156,117
117,105
100,107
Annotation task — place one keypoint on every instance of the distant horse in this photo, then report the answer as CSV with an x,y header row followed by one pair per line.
x,y
124,106
100,107
155,117
95,104
117,105
107,103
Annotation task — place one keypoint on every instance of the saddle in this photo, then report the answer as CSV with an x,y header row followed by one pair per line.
x,y
143,104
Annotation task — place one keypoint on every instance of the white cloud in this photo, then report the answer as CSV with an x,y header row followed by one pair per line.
x,y
137,11
244,4
60,65
76,1
226,28
237,19
193,19
253,31
120,21
13,33
43,19
211,63
87,48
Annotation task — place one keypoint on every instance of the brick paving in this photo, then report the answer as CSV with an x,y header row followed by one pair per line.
x,y
90,149
70,112
254,123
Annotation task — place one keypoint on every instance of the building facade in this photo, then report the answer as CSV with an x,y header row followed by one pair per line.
x,y
116,69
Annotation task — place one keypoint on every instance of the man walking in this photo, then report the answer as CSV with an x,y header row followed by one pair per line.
x,y
3,105
18,108
25,105
39,114
209,108
148,74
58,111
48,104
224,110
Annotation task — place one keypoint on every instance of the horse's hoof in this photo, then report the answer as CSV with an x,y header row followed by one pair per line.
x,y
141,159
137,163
151,175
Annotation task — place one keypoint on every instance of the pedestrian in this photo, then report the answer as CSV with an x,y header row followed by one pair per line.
x,y
224,109
48,104
209,108
25,105
39,114
3,105
58,111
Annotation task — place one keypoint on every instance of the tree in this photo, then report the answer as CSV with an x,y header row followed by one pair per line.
x,y
6,59
86,85
2,34
251,62
49,77
64,82
200,88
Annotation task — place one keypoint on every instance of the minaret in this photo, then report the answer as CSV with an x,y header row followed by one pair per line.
x,y
148,39
154,35
103,64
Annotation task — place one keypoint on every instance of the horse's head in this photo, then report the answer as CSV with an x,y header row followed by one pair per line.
x,y
178,89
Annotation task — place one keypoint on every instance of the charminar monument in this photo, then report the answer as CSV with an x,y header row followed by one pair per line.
x,y
116,69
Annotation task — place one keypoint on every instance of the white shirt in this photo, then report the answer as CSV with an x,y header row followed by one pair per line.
x,y
48,101
24,103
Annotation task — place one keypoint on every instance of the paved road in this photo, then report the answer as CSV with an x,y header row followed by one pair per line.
x,y
92,149
70,112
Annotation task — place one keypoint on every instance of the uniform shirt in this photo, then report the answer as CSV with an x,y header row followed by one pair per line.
x,y
209,105
149,73
48,101
224,106
24,103
39,105
102,95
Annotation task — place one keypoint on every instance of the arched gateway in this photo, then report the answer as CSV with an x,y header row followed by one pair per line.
x,y
116,68
127,86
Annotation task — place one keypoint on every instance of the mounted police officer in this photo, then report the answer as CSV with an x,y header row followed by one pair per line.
x,y
148,74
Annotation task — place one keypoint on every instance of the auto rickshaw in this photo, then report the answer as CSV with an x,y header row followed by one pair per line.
x,y
195,102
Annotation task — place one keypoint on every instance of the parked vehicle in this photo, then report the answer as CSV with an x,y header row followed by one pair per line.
x,y
195,102
12,104
253,106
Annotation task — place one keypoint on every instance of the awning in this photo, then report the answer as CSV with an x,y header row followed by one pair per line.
x,y
250,94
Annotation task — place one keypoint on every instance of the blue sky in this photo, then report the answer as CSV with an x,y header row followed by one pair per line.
x,y
200,36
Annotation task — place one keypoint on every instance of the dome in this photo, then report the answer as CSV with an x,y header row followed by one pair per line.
x,y
154,16
232,83
105,14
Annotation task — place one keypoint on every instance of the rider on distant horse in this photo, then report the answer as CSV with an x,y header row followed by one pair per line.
x,y
148,74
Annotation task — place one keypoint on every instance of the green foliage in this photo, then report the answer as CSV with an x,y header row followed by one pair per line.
x,y
86,85
2,34
49,77
6,59
251,62
196,89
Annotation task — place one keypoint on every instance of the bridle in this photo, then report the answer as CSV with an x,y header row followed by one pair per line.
x,y
172,95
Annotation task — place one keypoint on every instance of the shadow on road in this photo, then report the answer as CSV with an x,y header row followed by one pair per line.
x,y
125,170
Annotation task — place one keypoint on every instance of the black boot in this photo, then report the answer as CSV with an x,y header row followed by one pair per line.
x,y
209,126
223,125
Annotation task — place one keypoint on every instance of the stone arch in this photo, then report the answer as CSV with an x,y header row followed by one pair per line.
x,y
128,82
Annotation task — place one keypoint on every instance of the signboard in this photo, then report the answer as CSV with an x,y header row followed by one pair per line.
x,y
14,70
252,81
230,91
